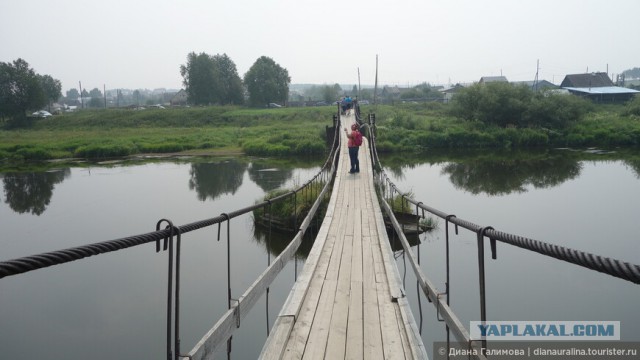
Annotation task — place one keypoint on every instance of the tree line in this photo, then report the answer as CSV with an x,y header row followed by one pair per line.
x,y
22,89
210,80
507,105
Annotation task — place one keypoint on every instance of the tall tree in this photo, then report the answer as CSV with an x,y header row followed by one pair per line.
x,y
267,82
52,89
95,93
200,78
331,93
20,90
232,91
212,79
73,94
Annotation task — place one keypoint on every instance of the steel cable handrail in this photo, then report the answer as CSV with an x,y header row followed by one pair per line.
x,y
225,326
614,267
43,260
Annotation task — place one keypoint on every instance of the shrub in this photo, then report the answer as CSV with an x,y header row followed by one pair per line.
x,y
554,111
633,107
33,153
101,151
492,103
163,147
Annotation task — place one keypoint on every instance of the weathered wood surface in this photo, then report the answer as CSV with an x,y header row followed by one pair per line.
x,y
348,302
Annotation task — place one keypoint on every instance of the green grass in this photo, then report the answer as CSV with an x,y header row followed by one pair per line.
x,y
416,127
99,134
287,213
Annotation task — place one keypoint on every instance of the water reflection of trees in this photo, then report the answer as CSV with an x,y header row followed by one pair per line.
x,y
271,174
210,180
31,192
268,177
634,165
275,242
495,172
507,176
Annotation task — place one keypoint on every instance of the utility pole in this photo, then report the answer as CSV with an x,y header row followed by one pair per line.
x,y
535,81
358,83
104,92
81,101
375,89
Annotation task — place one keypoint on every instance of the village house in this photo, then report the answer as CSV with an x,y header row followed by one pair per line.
x,y
597,87
179,99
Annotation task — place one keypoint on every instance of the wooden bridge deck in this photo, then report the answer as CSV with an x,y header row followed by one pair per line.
x,y
348,302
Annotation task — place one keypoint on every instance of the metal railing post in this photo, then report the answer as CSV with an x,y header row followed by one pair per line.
x,y
168,243
481,275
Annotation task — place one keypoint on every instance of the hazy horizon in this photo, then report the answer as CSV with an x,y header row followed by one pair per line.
x,y
141,44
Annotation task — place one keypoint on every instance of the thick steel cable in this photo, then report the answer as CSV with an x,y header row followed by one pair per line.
x,y
614,267
39,261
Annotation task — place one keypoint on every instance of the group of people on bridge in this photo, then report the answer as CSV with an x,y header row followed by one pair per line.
x,y
346,103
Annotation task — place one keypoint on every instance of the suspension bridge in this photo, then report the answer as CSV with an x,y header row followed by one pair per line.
x,y
348,301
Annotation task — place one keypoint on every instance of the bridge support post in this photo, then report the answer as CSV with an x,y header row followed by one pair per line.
x,y
481,275
171,294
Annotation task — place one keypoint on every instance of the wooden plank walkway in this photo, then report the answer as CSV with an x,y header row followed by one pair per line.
x,y
348,302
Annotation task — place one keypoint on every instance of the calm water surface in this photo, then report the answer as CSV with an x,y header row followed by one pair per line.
x,y
585,200
114,305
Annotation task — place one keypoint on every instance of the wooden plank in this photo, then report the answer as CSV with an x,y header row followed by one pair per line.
x,y
406,346
393,277
304,321
356,261
282,329
372,346
391,340
336,343
297,341
336,254
417,347
355,324
378,263
316,345
327,275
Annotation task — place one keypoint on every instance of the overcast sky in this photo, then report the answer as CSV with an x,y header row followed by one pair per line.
x,y
142,43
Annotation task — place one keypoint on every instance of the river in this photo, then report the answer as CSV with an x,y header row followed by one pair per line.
x,y
582,199
113,305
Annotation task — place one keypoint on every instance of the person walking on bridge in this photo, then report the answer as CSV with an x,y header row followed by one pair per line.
x,y
355,140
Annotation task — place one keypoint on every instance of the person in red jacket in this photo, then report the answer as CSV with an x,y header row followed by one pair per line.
x,y
355,140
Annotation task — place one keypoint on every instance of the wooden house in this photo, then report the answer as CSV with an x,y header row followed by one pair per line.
x,y
596,87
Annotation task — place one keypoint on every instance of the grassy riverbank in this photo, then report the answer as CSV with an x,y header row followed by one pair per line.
x,y
411,127
100,134
114,133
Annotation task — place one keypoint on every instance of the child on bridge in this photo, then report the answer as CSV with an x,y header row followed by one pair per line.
x,y
355,140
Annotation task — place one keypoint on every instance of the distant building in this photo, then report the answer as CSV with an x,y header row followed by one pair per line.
x,y
597,87
449,93
392,93
179,99
537,85
488,79
587,80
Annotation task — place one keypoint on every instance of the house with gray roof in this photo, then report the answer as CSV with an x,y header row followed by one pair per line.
x,y
488,79
597,87
537,85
